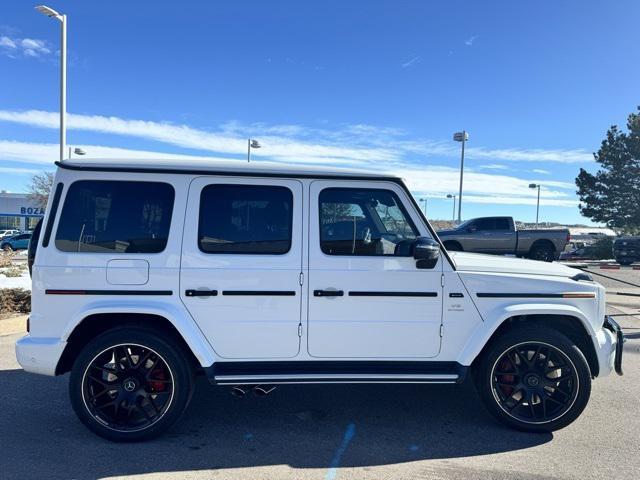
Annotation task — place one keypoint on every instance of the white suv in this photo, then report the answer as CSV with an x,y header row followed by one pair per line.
x,y
147,274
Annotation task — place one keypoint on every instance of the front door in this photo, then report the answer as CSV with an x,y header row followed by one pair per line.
x,y
367,298
241,265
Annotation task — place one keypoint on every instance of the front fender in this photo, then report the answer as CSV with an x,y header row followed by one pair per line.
x,y
496,317
178,317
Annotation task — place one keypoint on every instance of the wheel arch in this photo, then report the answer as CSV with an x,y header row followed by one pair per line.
x,y
540,243
456,243
571,324
98,321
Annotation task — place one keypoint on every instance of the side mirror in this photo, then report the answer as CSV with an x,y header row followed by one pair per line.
x,y
426,251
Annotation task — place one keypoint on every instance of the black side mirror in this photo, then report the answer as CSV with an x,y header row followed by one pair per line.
x,y
426,251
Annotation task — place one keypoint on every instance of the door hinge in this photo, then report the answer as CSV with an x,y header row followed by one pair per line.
x,y
442,280
441,330
300,330
301,278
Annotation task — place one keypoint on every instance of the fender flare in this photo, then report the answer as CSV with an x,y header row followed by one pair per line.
x,y
486,329
178,317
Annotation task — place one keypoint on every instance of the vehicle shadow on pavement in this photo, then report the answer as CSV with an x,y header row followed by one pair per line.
x,y
315,426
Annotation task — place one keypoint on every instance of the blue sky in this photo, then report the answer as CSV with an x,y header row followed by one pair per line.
x,y
370,84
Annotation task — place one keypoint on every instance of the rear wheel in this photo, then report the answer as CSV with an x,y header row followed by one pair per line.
x,y
543,252
130,384
534,379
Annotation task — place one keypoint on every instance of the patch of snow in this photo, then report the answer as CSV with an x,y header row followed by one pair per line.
x,y
23,281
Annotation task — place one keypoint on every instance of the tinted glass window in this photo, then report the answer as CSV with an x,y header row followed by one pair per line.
x,y
364,222
485,224
502,224
245,219
110,216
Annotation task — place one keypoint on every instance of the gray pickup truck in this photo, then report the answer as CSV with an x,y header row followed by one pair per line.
x,y
500,236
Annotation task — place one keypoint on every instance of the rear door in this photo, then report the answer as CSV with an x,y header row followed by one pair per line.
x,y
241,265
367,297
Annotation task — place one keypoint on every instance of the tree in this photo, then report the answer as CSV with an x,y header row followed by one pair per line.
x,y
40,187
612,194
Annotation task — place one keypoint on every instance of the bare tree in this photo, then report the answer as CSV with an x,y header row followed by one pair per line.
x,y
40,187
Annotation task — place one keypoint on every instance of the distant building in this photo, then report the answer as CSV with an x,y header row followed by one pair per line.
x,y
18,212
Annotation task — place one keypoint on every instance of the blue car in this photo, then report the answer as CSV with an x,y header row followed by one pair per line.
x,y
17,242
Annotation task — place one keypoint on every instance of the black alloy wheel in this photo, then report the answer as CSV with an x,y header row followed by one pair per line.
x,y
543,253
534,382
128,387
131,383
533,378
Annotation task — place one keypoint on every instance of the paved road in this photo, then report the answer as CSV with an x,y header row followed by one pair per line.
x,y
322,432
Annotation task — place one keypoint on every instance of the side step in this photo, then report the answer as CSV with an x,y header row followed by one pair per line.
x,y
253,373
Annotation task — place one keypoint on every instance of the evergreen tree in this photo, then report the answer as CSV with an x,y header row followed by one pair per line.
x,y
612,194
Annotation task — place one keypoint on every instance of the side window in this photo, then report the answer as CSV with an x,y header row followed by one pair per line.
x,y
364,222
502,224
485,224
245,219
115,217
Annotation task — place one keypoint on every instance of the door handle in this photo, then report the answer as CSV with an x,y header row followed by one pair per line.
x,y
201,293
328,293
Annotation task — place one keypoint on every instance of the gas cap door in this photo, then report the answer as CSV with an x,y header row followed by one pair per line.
x,y
127,272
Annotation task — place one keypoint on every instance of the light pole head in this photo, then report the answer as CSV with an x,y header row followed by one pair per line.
x,y
79,151
461,136
255,144
450,196
49,12
534,185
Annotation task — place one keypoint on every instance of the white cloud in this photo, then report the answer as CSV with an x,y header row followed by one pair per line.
x,y
494,166
412,61
541,171
470,40
28,47
7,43
423,180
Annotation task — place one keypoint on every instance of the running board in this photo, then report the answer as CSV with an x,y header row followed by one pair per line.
x,y
253,373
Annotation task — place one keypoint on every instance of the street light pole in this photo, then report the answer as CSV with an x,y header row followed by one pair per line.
x,y
536,185
461,137
51,13
251,144
424,205
453,218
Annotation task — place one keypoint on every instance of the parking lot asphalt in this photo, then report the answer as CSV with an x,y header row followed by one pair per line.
x,y
325,432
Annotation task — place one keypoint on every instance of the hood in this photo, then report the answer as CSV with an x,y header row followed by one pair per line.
x,y
475,262
446,232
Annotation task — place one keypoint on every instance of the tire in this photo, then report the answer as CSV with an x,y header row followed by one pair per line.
x,y
130,384
625,262
453,246
525,394
7,247
542,252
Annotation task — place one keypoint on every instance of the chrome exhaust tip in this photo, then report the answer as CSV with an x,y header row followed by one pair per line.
x,y
263,390
238,391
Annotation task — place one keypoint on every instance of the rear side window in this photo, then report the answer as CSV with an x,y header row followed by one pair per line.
x,y
502,224
245,219
113,216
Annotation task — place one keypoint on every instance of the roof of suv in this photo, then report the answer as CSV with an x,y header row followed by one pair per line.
x,y
212,166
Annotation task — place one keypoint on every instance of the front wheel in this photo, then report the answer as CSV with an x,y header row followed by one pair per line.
x,y
130,384
534,379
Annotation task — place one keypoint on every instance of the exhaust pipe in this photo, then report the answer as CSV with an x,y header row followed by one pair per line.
x,y
263,390
239,391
